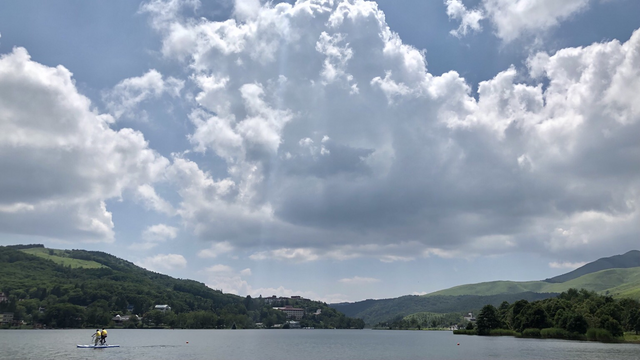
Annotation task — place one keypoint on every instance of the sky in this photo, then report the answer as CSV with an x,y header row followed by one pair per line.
x,y
339,150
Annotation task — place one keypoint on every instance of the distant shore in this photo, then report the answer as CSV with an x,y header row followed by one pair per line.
x,y
598,335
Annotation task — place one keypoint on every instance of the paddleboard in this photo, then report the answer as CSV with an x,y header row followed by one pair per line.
x,y
97,346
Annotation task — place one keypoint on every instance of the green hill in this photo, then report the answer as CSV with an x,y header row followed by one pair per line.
x,y
376,311
617,276
78,288
630,259
492,288
623,282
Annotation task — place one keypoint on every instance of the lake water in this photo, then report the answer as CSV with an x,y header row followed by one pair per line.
x,y
298,344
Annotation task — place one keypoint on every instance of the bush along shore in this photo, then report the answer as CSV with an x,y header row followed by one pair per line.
x,y
573,315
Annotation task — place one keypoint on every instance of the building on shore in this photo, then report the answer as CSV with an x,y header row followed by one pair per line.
x,y
470,318
6,318
162,308
295,313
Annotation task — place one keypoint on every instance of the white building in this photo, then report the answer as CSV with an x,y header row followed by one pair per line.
x,y
163,308
292,312
294,324
470,317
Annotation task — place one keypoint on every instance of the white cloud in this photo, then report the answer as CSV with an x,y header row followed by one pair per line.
x,y
219,268
148,196
61,161
216,250
388,253
513,18
297,255
123,99
154,235
160,232
357,280
566,265
416,165
163,262
246,9
469,19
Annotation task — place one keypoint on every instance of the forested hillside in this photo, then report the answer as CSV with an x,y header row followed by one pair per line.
x,y
376,311
77,288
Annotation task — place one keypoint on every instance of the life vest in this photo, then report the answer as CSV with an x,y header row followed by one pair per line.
x,y
104,332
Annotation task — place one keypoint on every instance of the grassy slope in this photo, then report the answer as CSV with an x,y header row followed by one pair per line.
x,y
618,283
492,288
630,259
61,257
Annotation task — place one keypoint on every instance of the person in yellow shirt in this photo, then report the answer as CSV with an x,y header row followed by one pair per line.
x,y
97,336
103,339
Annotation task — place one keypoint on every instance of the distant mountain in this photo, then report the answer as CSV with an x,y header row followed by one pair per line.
x,y
610,281
375,311
628,260
592,276
617,276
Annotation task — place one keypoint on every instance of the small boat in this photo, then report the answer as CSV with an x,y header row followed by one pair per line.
x,y
97,346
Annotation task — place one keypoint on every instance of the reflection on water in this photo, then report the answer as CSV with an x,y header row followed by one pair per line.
x,y
297,344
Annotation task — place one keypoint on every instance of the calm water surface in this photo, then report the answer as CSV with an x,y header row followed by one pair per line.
x,y
299,344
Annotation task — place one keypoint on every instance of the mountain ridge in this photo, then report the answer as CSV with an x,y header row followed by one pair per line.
x,y
598,276
629,259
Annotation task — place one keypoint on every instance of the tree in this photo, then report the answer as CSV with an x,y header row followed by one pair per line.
x,y
533,316
487,320
612,325
632,319
577,324
65,316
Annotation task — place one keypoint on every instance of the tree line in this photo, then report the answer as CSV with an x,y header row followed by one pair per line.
x,y
419,321
574,314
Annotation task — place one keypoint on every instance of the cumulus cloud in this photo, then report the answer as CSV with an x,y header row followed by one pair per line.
x,y
297,255
414,164
513,18
155,234
160,232
246,9
216,250
162,262
469,19
566,265
357,280
125,97
60,159
219,269
147,195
